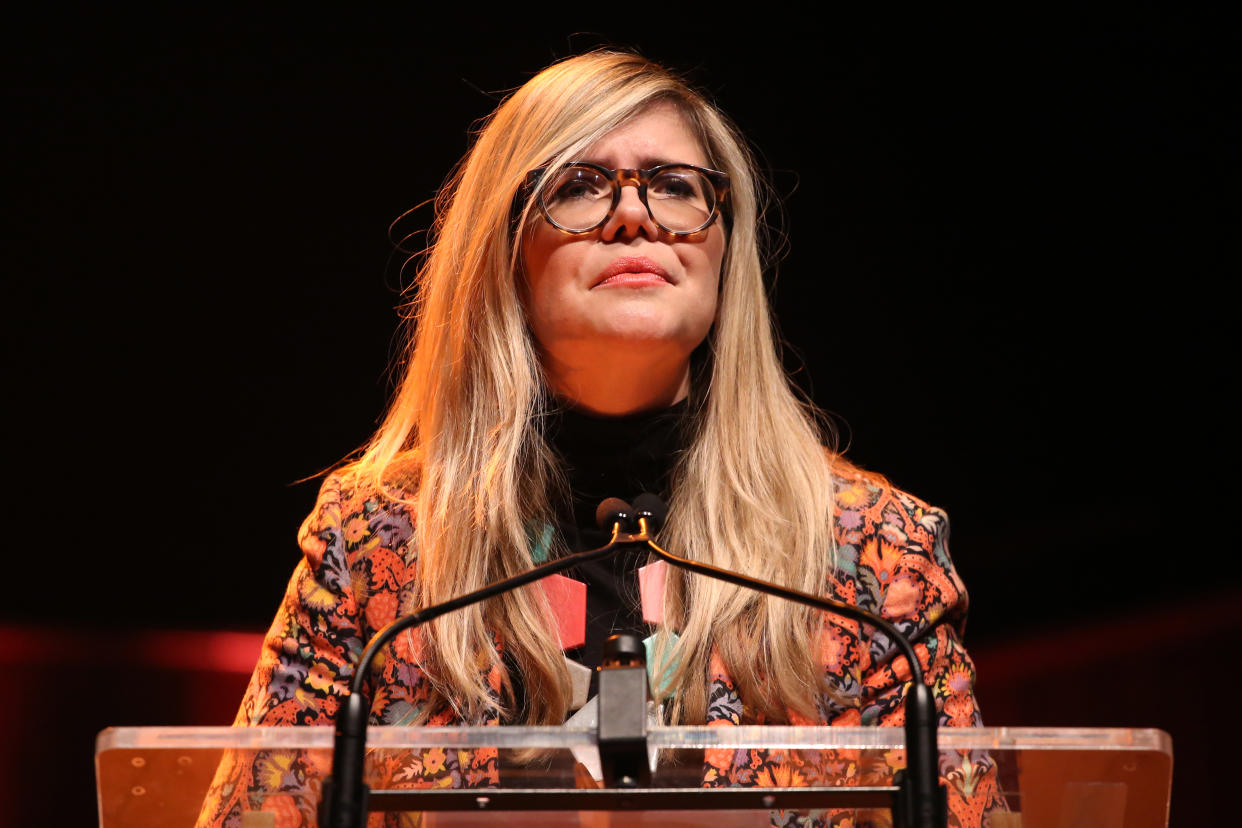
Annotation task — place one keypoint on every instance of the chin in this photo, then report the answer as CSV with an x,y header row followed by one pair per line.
x,y
656,335
653,324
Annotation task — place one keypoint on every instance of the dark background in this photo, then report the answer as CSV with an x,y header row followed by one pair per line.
x,y
1012,251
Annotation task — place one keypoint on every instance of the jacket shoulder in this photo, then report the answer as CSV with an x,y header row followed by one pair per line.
x,y
866,503
888,543
354,516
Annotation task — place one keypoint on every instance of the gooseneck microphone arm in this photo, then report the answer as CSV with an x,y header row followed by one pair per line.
x,y
344,803
924,804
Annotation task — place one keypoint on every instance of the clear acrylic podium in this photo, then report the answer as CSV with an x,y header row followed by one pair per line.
x,y
1059,778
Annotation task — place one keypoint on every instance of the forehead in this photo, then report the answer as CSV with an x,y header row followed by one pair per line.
x,y
659,134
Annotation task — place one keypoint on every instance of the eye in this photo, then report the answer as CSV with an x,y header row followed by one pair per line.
x,y
578,183
687,185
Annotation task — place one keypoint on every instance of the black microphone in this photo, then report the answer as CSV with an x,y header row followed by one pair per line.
x,y
651,508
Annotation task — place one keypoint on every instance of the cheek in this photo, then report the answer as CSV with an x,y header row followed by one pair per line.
x,y
716,255
550,275
712,264
706,272
549,265
535,253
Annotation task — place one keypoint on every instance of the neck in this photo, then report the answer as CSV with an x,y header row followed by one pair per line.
x,y
615,388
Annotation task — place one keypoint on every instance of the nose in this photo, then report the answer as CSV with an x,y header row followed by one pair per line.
x,y
631,219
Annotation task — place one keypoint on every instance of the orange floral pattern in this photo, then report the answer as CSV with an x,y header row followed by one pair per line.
x,y
349,584
355,573
893,559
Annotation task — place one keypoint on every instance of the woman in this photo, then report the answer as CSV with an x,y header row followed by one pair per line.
x,y
591,321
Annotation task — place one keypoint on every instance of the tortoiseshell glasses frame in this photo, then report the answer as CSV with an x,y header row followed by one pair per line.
x,y
718,189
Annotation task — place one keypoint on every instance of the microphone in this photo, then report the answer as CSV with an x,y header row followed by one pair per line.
x,y
615,512
651,508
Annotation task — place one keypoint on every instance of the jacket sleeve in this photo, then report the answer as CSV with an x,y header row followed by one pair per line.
x,y
903,572
307,659
303,672
357,569
345,586
892,559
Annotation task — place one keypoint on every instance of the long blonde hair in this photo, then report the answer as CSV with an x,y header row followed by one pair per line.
x,y
752,492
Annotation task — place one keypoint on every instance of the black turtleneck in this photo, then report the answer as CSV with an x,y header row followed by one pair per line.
x,y
611,457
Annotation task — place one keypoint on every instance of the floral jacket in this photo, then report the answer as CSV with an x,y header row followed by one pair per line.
x,y
892,559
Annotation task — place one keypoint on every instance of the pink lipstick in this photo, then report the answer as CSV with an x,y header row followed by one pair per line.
x,y
632,271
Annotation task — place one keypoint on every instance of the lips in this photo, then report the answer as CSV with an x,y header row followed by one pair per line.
x,y
634,271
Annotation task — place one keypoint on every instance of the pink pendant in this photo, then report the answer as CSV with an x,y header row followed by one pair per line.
x,y
651,591
567,599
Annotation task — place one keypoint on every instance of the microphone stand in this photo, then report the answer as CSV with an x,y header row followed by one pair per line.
x,y
344,803
922,801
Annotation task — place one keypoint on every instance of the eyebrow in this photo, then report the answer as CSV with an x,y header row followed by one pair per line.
x,y
646,162
655,161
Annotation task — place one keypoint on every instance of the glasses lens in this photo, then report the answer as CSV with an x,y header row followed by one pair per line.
x,y
681,199
578,198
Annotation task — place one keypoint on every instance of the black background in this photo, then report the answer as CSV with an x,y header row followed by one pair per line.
x,y
1010,276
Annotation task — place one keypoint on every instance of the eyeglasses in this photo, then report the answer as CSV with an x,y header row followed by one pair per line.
x,y
680,198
